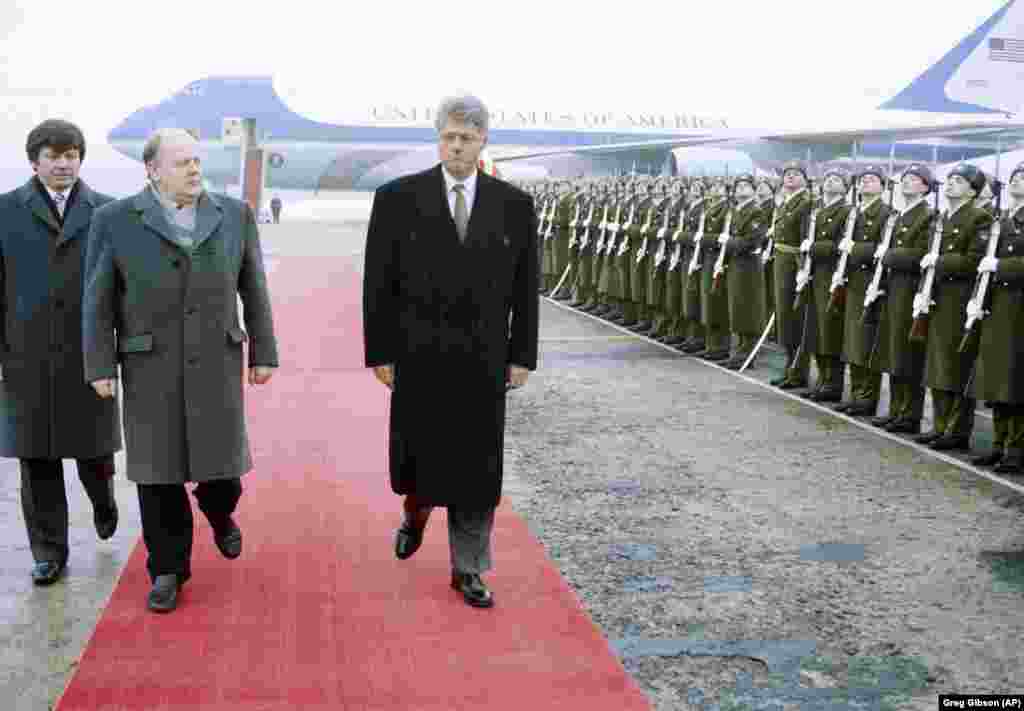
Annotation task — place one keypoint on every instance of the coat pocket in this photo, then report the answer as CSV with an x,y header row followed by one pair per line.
x,y
142,343
236,335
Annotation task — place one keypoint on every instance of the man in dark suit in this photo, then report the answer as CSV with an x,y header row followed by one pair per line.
x,y
164,271
450,324
46,412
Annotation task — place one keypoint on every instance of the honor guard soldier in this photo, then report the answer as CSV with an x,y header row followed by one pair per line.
x,y
591,264
766,203
676,328
895,353
791,224
641,256
965,230
742,270
566,231
578,281
830,228
612,275
657,292
998,379
689,267
714,313
868,231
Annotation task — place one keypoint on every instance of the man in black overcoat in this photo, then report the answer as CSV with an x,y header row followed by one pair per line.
x,y
47,412
450,312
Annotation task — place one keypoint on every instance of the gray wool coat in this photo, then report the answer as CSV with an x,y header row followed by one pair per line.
x,y
169,316
46,410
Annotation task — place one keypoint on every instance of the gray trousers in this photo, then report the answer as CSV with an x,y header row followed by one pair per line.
x,y
469,538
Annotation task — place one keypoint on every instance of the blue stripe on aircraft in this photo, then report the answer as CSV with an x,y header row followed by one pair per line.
x,y
204,104
928,91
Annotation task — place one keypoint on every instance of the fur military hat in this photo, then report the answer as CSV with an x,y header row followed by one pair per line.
x,y
921,171
797,166
839,173
875,170
974,177
1018,169
744,178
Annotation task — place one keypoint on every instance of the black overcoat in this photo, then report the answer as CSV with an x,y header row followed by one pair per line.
x,y
450,317
46,410
170,317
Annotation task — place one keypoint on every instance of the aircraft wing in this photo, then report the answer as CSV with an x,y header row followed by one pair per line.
x,y
1004,133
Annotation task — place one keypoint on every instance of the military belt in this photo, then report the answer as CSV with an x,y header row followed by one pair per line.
x,y
787,248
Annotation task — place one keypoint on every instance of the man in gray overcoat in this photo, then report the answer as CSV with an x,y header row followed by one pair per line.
x,y
450,322
164,271
47,412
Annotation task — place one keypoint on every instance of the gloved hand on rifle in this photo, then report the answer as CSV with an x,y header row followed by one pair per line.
x,y
928,260
988,264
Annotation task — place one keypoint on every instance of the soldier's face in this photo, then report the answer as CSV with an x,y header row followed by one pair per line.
x,y
743,191
764,192
957,188
1017,186
58,169
177,168
834,185
460,146
913,185
793,180
695,192
870,185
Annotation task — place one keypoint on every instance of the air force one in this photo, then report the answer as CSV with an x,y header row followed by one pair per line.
x,y
961,108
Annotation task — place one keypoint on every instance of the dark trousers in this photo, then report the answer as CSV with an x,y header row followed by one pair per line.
x,y
44,501
469,534
167,522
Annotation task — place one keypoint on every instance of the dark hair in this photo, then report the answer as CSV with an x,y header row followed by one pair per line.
x,y
57,134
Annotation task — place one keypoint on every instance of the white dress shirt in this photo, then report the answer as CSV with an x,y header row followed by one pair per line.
x,y
468,191
61,206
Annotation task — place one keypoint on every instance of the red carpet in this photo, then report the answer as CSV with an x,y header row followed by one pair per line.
x,y
318,613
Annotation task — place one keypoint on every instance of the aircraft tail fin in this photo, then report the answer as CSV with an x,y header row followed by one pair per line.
x,y
984,73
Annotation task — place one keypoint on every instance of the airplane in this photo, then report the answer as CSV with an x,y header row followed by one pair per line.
x,y
960,108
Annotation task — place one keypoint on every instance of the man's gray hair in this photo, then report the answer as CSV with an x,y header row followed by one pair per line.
x,y
152,147
465,108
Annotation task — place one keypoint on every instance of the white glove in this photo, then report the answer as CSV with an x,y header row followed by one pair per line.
x,y
805,246
723,238
988,264
928,260
846,246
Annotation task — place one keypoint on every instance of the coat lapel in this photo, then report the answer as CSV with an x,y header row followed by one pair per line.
x,y
482,207
30,198
79,213
152,214
209,214
432,201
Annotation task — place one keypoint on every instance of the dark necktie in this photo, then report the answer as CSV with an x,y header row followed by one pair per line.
x,y
461,215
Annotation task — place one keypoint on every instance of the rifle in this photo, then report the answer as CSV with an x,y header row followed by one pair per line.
x,y
602,229
697,238
723,239
976,310
613,229
837,300
585,238
804,276
641,251
923,301
678,251
624,244
659,256
574,221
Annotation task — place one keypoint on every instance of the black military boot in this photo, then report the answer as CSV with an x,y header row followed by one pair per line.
x,y
694,345
928,437
1012,463
990,459
947,442
882,420
904,426
862,408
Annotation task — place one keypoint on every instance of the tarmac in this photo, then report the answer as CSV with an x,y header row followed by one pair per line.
x,y
44,630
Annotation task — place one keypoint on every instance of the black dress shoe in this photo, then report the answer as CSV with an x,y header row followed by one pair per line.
x,y
927,437
714,356
862,409
228,537
473,590
1010,465
988,460
809,395
827,395
692,347
562,296
47,572
843,407
105,520
904,427
793,384
882,420
408,540
644,326
947,442
164,595
673,340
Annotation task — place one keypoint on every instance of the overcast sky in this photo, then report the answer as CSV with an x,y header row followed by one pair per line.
x,y
758,64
